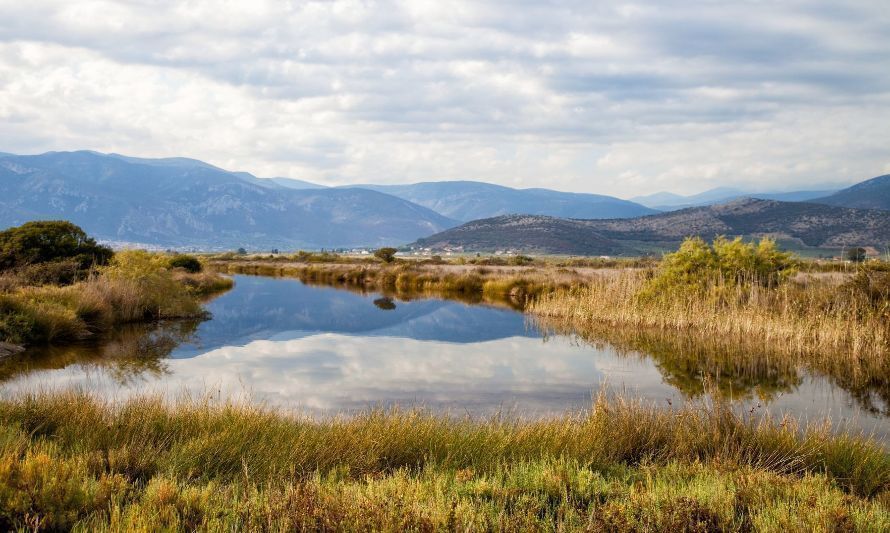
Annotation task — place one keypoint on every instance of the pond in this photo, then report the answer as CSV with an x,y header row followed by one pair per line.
x,y
324,350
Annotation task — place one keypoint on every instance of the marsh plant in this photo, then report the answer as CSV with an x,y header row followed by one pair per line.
x,y
69,461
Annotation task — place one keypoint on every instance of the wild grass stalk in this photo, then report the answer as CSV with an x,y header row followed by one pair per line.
x,y
71,461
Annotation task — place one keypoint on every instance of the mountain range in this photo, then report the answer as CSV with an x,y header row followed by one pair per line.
x,y
471,200
667,201
186,203
183,202
808,224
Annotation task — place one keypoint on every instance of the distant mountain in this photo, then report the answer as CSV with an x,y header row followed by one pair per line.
x,y
292,183
870,194
470,200
183,202
810,224
666,201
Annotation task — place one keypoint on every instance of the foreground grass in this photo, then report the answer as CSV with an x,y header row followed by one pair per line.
x,y
71,462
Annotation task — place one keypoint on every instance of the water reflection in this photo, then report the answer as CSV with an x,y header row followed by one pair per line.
x,y
327,350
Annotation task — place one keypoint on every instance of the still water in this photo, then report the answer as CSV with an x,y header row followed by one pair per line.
x,y
324,350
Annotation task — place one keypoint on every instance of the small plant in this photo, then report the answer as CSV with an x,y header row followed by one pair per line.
x,y
189,263
387,255
856,255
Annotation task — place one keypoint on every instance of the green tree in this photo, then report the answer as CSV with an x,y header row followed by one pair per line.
x,y
50,241
189,263
856,255
387,255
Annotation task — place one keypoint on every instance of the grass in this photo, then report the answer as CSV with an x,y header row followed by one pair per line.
x,y
137,286
69,461
409,280
811,317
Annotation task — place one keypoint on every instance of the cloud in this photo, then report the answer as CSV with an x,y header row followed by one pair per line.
x,y
620,98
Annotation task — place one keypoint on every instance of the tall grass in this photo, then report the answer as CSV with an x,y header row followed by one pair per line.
x,y
811,317
136,286
410,280
68,460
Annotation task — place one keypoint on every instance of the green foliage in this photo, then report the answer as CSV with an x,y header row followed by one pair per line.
x,y
189,263
71,462
48,241
856,255
241,251
387,255
699,267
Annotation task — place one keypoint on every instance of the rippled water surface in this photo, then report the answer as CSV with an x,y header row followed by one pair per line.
x,y
326,350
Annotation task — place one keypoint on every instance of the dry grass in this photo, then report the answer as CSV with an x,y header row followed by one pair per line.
x,y
136,287
816,316
69,461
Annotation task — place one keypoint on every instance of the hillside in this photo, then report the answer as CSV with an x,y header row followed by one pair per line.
x,y
182,202
870,194
811,225
530,233
666,201
471,200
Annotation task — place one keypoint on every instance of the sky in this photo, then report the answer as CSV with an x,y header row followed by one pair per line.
x,y
590,96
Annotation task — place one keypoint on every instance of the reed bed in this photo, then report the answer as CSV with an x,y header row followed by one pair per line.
x,y
411,280
811,317
70,461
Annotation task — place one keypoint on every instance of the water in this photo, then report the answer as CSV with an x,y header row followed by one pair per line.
x,y
324,350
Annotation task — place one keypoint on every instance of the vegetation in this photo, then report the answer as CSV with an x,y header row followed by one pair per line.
x,y
71,462
58,285
48,242
189,263
387,255
738,292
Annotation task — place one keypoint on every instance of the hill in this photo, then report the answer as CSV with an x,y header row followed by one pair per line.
x,y
666,201
870,194
811,225
471,200
181,202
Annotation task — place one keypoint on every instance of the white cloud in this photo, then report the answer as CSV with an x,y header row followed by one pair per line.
x,y
596,97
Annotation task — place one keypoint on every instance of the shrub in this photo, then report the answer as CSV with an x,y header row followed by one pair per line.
x,y
387,255
48,241
189,263
697,266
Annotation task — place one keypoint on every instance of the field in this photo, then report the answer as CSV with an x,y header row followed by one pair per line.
x,y
68,461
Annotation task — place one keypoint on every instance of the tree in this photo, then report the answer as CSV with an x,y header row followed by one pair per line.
x,y
241,251
50,241
856,255
189,263
387,255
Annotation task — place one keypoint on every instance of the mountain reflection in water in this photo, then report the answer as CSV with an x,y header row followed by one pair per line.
x,y
327,350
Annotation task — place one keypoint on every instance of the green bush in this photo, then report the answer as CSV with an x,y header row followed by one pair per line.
x,y
189,263
48,241
387,255
698,266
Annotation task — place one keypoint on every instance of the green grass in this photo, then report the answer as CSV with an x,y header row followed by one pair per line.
x,y
136,286
68,461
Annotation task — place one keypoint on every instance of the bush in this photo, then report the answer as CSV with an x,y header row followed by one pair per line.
x,y
387,255
189,263
697,266
49,241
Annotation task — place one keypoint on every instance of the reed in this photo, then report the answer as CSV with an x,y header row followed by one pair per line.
x,y
68,460
812,317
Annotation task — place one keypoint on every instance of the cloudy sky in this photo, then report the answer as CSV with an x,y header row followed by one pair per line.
x,y
594,96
